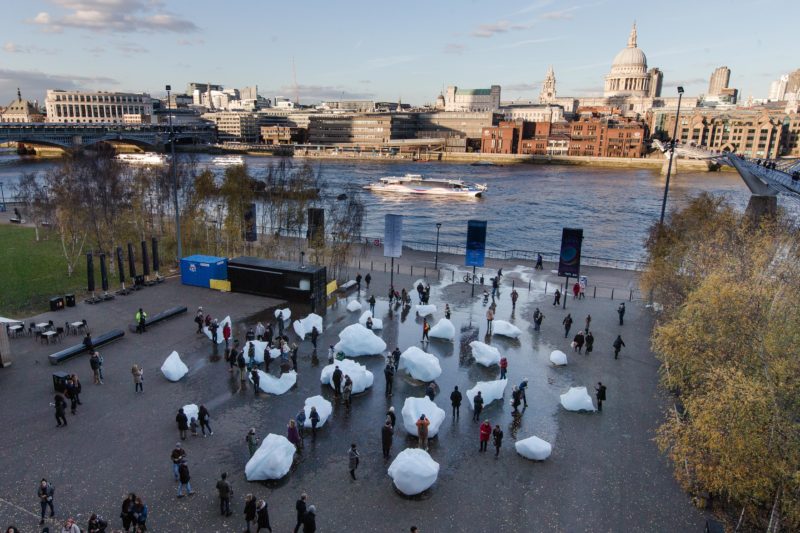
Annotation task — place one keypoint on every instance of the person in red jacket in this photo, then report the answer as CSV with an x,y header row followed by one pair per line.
x,y
486,432
503,367
576,289
226,334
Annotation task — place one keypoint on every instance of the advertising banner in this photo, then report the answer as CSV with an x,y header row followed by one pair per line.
x,y
569,261
476,243
393,236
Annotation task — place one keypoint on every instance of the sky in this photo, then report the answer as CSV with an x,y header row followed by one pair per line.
x,y
410,50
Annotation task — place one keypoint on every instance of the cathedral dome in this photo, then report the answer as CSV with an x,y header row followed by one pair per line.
x,y
630,58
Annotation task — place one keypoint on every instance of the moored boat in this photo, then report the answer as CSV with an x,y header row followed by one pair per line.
x,y
416,184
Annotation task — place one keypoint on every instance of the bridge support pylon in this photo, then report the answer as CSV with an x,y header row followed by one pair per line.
x,y
674,170
760,207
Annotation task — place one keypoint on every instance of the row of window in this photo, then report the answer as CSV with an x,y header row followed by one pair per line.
x,y
101,98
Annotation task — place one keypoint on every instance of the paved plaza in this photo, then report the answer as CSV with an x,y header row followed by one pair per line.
x,y
605,472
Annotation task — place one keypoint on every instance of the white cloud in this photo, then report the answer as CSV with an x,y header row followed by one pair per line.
x,y
34,84
454,48
501,26
315,93
14,48
112,16
561,14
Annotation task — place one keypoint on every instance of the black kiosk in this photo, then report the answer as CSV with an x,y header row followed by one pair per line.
x,y
280,279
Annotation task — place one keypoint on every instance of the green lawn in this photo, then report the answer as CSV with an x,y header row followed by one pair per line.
x,y
33,272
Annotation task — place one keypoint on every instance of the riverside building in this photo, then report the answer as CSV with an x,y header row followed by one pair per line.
x,y
86,107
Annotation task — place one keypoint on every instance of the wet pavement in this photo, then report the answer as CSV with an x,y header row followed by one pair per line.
x,y
605,473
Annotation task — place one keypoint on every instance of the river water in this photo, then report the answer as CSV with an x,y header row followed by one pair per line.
x,y
526,205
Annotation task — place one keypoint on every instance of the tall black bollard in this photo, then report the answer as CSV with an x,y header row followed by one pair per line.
x,y
131,261
155,256
89,272
103,273
145,260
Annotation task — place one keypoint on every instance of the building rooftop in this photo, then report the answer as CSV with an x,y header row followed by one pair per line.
x,y
474,92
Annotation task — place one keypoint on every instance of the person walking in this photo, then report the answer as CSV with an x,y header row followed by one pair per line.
x,y
183,423
426,328
477,405
249,511
489,319
371,302
567,324
368,279
388,373
252,441
140,512
71,392
447,311
256,377
358,282
300,418
262,514
226,333
537,320
391,417
178,454
94,364
556,297
61,410
313,416
618,344
576,290
422,431
45,493
516,398
347,391
314,337
203,416
523,387
300,507
621,312
241,364
430,390
387,434
588,322
497,437
310,520
138,378
126,512
455,402
198,319
141,321
353,460
503,367
495,286
294,349
184,479
225,491
600,394
589,342
578,341
538,265
214,328
336,377
294,435
514,297
485,431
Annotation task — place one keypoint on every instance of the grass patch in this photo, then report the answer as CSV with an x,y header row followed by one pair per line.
x,y
33,272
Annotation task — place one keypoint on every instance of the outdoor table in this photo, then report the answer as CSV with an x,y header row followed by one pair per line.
x,y
48,335
16,329
76,326
42,325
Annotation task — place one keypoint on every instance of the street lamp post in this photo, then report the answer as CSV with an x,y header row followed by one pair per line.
x,y
3,200
436,257
174,178
671,155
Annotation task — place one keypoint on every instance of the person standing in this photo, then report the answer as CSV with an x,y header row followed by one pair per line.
x,y
514,297
368,279
618,344
314,336
300,418
358,282
141,321
477,405
522,388
537,320
516,398
198,319
184,479
203,415
336,377
371,302
294,356
391,417
45,493
249,511
61,410
214,328
94,364
300,508
503,367
294,435
589,342
578,341
252,441
430,390
71,392
455,401
396,357
387,434
600,393
422,431
256,377
347,391
495,286
497,437
621,312
567,324
226,333
489,319
310,520
485,432
388,373
183,423
426,328
447,311
225,491
538,262
126,513
556,297
588,322
313,416
353,460
140,514
241,364
138,378
576,290
263,516
178,454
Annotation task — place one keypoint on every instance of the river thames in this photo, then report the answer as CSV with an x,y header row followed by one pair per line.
x,y
526,205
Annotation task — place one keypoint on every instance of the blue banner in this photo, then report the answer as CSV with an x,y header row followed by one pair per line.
x,y
569,261
476,243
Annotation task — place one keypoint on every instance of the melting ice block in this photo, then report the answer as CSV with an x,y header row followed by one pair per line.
x,y
484,354
377,323
577,399
173,368
414,407
558,358
362,378
272,385
425,310
501,327
419,364
304,326
356,340
191,411
323,407
413,471
534,448
283,314
354,306
490,391
274,353
272,459
444,329
220,336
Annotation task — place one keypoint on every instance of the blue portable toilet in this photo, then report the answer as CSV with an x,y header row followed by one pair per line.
x,y
199,270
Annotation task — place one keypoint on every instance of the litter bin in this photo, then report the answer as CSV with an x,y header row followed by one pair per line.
x,y
60,381
57,303
70,299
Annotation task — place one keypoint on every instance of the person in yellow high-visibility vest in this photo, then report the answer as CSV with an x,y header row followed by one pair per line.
x,y
141,320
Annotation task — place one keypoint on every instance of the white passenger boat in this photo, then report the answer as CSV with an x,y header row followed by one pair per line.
x,y
416,184
147,158
228,160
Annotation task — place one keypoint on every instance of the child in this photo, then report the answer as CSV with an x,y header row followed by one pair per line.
x,y
193,426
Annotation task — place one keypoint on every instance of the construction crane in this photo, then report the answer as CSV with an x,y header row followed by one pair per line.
x,y
295,87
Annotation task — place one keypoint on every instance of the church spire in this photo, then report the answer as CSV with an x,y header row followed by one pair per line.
x,y
632,37
19,95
